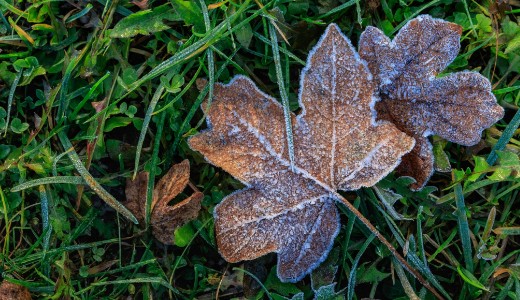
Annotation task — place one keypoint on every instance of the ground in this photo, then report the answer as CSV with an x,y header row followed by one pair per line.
x,y
92,93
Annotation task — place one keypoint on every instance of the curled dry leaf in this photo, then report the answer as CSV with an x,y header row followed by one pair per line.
x,y
12,291
135,192
165,218
337,145
456,107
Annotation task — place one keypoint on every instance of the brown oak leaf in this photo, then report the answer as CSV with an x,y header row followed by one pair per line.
x,y
289,209
165,218
456,107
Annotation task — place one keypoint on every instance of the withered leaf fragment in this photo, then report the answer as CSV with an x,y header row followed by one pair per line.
x,y
456,107
165,218
11,291
337,145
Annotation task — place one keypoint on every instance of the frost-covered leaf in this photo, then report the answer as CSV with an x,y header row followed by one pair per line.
x,y
337,145
145,22
456,107
165,218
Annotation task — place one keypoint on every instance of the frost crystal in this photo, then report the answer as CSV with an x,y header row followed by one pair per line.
x,y
456,107
337,145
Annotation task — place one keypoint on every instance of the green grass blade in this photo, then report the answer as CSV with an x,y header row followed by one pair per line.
x,y
462,221
358,12
152,280
4,20
46,227
352,275
443,246
134,266
513,230
192,50
63,103
6,220
91,182
337,9
469,278
125,12
88,95
144,128
489,270
10,99
505,290
11,8
414,260
506,90
86,223
466,8
414,14
209,52
283,92
76,180
56,251
507,134
80,14
350,226
284,51
10,38
420,239
408,289
154,162
257,281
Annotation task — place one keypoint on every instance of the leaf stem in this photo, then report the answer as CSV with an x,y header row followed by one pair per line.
x,y
385,242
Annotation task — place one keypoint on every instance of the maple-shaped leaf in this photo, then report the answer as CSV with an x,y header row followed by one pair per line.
x,y
290,209
456,107
165,218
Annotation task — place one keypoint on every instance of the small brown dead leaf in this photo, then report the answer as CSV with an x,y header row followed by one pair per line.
x,y
165,218
337,145
11,291
142,4
172,183
135,192
456,107
99,105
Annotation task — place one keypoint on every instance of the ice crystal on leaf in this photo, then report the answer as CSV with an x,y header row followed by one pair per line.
x,y
456,107
337,146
